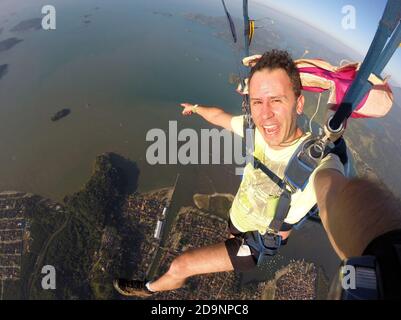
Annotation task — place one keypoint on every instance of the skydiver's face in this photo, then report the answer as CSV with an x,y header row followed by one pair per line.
x,y
274,107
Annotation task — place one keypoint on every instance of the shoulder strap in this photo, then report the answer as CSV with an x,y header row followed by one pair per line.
x,y
283,206
257,164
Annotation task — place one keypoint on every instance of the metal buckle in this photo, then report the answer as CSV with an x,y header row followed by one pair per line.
x,y
303,163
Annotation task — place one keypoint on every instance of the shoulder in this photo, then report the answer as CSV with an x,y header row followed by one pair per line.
x,y
283,155
331,161
237,125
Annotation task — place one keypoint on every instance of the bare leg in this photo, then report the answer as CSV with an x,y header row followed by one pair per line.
x,y
203,260
285,234
208,259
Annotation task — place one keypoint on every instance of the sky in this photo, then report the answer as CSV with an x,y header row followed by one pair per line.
x,y
327,16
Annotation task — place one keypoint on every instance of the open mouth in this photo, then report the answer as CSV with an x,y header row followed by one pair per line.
x,y
271,129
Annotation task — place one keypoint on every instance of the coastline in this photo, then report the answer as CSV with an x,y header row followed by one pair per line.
x,y
122,242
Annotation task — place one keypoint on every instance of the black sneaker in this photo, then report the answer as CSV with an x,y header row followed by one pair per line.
x,y
132,288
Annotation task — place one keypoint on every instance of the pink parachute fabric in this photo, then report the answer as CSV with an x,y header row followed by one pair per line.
x,y
319,76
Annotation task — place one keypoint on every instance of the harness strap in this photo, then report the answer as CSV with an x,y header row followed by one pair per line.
x,y
267,246
284,204
257,164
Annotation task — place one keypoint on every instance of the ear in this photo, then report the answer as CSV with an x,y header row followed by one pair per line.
x,y
300,104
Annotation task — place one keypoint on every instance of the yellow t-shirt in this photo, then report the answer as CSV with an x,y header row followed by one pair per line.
x,y
255,203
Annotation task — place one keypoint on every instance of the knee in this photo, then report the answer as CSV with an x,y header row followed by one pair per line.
x,y
179,268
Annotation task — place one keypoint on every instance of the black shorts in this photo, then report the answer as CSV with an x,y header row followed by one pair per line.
x,y
242,256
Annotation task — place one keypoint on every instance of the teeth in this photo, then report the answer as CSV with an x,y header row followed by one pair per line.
x,y
271,128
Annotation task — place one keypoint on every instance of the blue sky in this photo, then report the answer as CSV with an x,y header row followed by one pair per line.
x,y
327,16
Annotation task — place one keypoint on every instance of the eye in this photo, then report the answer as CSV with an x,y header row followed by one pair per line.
x,y
276,100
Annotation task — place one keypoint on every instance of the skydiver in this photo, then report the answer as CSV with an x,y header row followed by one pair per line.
x,y
276,102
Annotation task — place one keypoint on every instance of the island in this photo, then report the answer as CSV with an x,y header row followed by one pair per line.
x,y
30,24
163,14
60,114
9,43
3,70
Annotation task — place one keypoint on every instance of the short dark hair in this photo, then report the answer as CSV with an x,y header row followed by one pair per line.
x,y
279,59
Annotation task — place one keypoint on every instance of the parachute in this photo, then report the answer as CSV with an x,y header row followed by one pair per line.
x,y
319,76
382,48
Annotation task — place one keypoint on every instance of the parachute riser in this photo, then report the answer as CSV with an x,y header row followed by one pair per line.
x,y
379,54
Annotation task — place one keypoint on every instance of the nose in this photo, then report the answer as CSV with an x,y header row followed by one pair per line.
x,y
267,111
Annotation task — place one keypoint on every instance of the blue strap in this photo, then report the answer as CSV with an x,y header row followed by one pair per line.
x,y
384,58
246,27
374,62
267,245
230,22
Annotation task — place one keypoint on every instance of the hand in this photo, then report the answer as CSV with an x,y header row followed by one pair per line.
x,y
340,149
188,107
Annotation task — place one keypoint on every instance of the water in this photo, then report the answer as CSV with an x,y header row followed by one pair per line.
x,y
121,75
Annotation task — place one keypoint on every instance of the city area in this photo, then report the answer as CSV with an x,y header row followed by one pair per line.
x,y
16,212
155,228
14,229
195,228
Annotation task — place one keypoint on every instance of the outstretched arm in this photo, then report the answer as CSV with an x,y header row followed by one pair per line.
x,y
213,115
354,211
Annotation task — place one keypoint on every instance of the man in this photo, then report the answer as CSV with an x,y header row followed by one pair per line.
x,y
276,102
